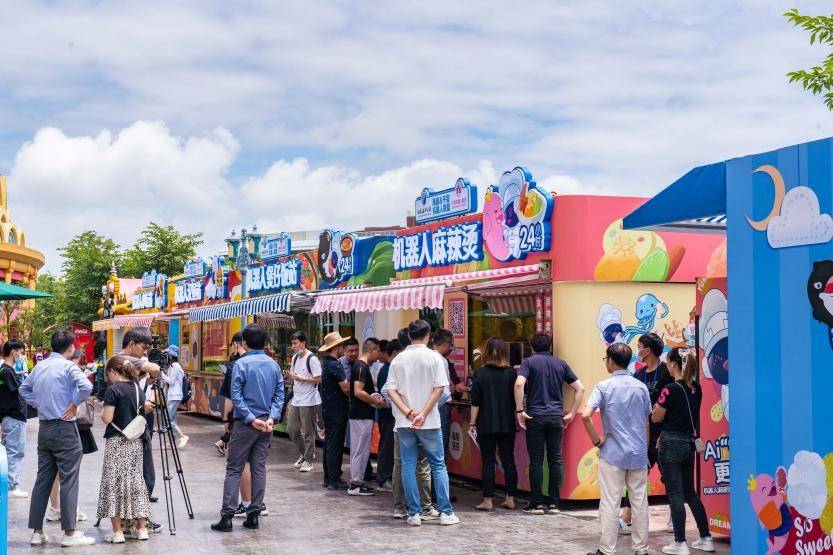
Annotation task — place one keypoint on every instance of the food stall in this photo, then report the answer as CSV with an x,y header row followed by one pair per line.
x,y
777,206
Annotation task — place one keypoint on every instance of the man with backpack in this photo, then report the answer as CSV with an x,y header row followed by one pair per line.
x,y
306,400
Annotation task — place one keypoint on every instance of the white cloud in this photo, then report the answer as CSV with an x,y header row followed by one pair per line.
x,y
800,221
806,484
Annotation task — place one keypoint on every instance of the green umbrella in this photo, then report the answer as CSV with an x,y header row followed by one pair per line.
x,y
10,292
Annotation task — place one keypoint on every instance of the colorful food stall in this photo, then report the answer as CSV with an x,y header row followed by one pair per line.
x,y
778,208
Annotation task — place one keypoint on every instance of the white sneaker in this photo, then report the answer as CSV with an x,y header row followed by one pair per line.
x,y
432,514
114,537
53,515
80,515
38,539
675,548
18,493
448,520
703,544
415,520
299,462
305,467
183,441
78,539
142,534
399,515
624,528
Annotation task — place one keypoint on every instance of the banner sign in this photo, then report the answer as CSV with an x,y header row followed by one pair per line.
x,y
190,291
194,269
154,292
460,200
457,244
274,276
276,246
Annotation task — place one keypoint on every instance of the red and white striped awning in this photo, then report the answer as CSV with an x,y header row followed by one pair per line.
x,y
390,297
125,321
275,321
511,304
494,273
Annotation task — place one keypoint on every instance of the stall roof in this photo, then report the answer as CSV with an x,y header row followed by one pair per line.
x,y
282,302
125,321
694,202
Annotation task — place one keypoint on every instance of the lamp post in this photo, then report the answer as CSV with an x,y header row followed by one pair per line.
x,y
243,261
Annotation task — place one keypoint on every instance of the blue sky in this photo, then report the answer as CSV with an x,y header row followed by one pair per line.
x,y
208,115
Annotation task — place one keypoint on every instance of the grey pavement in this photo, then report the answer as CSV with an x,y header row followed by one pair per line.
x,y
304,518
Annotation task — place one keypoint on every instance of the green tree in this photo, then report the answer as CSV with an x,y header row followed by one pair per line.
x,y
160,248
34,321
86,267
819,79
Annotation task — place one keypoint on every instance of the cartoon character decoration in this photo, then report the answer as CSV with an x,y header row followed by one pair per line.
x,y
215,280
648,308
769,500
609,322
160,291
714,333
634,255
820,294
796,506
335,256
516,216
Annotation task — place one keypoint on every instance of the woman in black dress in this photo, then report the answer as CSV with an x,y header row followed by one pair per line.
x,y
493,418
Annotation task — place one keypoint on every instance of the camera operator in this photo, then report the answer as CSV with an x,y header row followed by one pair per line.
x,y
173,376
135,345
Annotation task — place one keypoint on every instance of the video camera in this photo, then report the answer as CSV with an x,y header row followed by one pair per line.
x,y
157,356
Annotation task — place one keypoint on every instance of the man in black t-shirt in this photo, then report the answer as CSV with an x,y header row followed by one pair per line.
x,y
363,401
13,416
335,403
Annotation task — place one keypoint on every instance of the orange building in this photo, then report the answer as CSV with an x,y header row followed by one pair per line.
x,y
19,264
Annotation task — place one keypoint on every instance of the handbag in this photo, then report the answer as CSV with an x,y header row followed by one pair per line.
x,y
85,415
699,444
136,427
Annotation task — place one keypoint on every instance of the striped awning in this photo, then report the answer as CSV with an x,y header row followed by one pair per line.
x,y
125,321
494,273
249,307
272,321
513,301
390,297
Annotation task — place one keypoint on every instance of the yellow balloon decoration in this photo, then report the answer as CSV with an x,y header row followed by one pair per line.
x,y
826,519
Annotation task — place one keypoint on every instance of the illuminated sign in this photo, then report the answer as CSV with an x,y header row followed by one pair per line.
x,y
460,200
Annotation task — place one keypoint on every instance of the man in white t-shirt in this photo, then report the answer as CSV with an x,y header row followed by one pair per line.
x,y
306,401
415,383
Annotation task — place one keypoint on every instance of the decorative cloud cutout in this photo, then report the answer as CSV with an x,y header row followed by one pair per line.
x,y
800,221
807,485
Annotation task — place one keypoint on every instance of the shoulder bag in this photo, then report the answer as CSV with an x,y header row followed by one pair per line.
x,y
136,427
699,445
85,415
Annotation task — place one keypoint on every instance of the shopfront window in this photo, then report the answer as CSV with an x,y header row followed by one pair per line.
x,y
433,316
214,345
342,322
515,328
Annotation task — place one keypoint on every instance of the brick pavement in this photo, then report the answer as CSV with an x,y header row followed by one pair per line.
x,y
306,519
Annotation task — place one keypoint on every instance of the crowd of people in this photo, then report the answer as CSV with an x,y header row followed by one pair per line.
x,y
338,392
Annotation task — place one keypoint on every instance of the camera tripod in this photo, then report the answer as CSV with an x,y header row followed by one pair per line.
x,y
168,450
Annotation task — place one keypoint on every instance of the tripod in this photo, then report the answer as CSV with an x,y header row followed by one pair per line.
x,y
166,438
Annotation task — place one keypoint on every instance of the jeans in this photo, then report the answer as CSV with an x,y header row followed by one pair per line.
x,y
246,445
676,462
173,407
423,477
506,444
14,439
544,433
445,424
335,428
432,443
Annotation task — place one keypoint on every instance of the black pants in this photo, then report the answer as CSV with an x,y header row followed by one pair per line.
x,y
335,429
676,462
506,444
384,458
652,460
544,435
147,454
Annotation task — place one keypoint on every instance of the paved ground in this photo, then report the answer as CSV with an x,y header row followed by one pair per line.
x,y
306,519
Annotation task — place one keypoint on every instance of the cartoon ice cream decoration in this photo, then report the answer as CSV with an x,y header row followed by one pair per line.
x,y
714,330
807,485
609,322
632,255
769,500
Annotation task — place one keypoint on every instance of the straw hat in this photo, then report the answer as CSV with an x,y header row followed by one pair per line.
x,y
332,340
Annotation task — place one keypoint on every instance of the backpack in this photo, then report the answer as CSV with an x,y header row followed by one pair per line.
x,y
186,389
99,383
309,368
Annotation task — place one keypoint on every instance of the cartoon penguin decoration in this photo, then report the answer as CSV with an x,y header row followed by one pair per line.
x,y
820,294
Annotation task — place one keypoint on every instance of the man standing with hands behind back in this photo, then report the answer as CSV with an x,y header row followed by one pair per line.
x,y
257,395
56,387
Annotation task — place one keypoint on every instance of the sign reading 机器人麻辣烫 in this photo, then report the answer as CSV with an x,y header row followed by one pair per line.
x,y
275,246
431,206
456,244
274,276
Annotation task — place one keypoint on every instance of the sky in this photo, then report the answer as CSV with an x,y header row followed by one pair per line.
x,y
212,115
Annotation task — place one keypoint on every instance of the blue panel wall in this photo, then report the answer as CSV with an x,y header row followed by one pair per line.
x,y
781,363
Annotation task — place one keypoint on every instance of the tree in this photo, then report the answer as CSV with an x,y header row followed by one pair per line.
x,y
86,267
34,320
10,311
819,79
160,248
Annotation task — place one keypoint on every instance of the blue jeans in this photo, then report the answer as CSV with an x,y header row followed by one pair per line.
x,y
432,445
173,406
14,439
